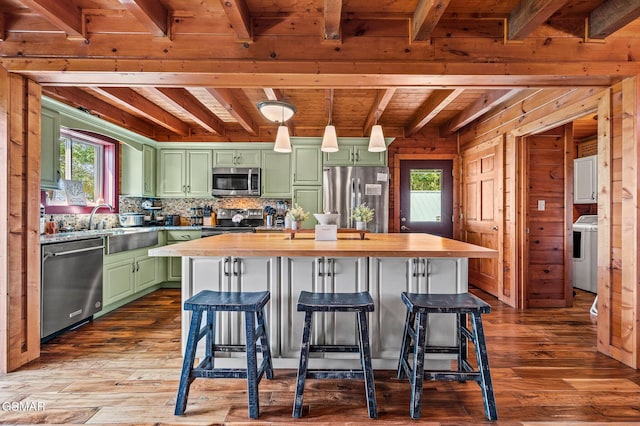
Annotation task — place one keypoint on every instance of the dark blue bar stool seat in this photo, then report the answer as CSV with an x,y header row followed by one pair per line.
x,y
360,303
253,306
414,339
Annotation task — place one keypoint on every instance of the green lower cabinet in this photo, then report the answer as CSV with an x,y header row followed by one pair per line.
x,y
310,199
174,269
127,273
174,264
118,281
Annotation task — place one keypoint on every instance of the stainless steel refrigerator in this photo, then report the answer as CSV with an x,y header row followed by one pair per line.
x,y
346,187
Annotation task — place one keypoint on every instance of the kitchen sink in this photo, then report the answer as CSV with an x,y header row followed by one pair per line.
x,y
124,239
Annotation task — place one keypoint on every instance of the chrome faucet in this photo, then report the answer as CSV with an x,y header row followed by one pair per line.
x,y
93,212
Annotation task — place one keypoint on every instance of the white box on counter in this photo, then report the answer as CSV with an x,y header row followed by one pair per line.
x,y
326,232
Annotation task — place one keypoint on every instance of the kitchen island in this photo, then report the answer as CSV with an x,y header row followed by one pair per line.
x,y
383,264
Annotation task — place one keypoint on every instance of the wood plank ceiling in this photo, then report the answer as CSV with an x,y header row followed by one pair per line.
x,y
208,34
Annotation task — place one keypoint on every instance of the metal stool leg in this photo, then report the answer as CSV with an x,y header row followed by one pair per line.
x,y
365,360
302,369
483,367
187,364
418,365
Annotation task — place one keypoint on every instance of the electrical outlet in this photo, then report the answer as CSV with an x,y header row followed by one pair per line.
x,y
541,205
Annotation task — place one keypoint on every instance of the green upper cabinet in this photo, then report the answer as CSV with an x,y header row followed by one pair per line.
x,y
350,154
307,165
185,173
50,149
138,171
276,175
310,199
237,158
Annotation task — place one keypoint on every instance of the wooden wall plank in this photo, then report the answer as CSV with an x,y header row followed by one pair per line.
x,y
19,235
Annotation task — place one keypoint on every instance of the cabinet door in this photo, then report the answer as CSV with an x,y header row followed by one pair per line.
x,y
310,199
585,180
131,175
148,171
224,158
146,273
174,264
276,175
342,275
342,157
118,281
307,165
49,149
199,173
362,157
298,274
171,181
248,158
389,276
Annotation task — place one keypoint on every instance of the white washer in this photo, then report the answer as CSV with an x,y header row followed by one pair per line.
x,y
585,253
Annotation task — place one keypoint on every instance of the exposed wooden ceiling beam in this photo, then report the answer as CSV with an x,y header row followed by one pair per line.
x,y
239,18
612,15
228,100
65,15
184,101
383,97
425,18
438,101
530,14
273,94
138,104
81,99
151,13
332,20
481,105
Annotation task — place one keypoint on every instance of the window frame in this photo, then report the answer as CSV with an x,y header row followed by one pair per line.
x,y
110,171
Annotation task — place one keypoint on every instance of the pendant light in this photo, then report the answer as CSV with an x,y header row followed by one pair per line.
x,y
330,139
279,112
376,140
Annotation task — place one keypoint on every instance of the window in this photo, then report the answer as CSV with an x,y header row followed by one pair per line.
x,y
426,195
90,159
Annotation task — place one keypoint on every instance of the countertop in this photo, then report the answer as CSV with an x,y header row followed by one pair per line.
x,y
83,235
348,245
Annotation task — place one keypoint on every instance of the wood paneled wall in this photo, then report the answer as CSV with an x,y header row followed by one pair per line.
x,y
618,196
19,227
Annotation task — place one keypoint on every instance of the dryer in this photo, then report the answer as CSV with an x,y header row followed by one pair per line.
x,y
585,253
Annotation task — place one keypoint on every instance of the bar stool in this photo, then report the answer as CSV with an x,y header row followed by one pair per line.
x,y
360,303
419,306
253,306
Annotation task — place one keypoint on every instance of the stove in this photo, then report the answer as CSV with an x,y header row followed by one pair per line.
x,y
249,220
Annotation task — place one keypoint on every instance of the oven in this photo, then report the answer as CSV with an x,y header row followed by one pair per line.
x,y
235,220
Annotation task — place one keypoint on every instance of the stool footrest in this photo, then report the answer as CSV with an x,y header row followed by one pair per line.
x,y
453,376
233,348
333,348
335,374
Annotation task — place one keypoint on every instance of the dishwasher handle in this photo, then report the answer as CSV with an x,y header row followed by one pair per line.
x,y
64,253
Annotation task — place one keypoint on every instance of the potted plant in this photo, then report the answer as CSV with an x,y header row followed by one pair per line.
x,y
297,216
362,214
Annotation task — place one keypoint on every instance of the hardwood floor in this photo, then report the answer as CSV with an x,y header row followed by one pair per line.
x,y
124,367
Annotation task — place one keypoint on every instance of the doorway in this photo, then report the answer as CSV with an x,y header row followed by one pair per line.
x,y
426,197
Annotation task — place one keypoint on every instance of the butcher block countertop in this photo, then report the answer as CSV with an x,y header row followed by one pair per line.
x,y
348,245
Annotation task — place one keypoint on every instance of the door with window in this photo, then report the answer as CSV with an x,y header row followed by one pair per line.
x,y
426,197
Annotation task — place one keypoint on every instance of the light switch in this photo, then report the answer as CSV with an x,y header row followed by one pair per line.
x,y
541,205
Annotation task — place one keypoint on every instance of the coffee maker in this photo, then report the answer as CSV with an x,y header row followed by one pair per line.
x,y
281,211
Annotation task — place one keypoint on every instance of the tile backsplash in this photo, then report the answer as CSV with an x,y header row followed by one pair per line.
x,y
175,206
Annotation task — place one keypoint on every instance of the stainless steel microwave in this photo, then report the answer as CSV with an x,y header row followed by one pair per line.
x,y
236,182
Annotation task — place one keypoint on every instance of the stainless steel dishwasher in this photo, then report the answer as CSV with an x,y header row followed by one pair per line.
x,y
71,286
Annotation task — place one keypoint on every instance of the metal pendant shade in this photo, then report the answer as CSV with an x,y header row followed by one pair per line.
x,y
276,111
